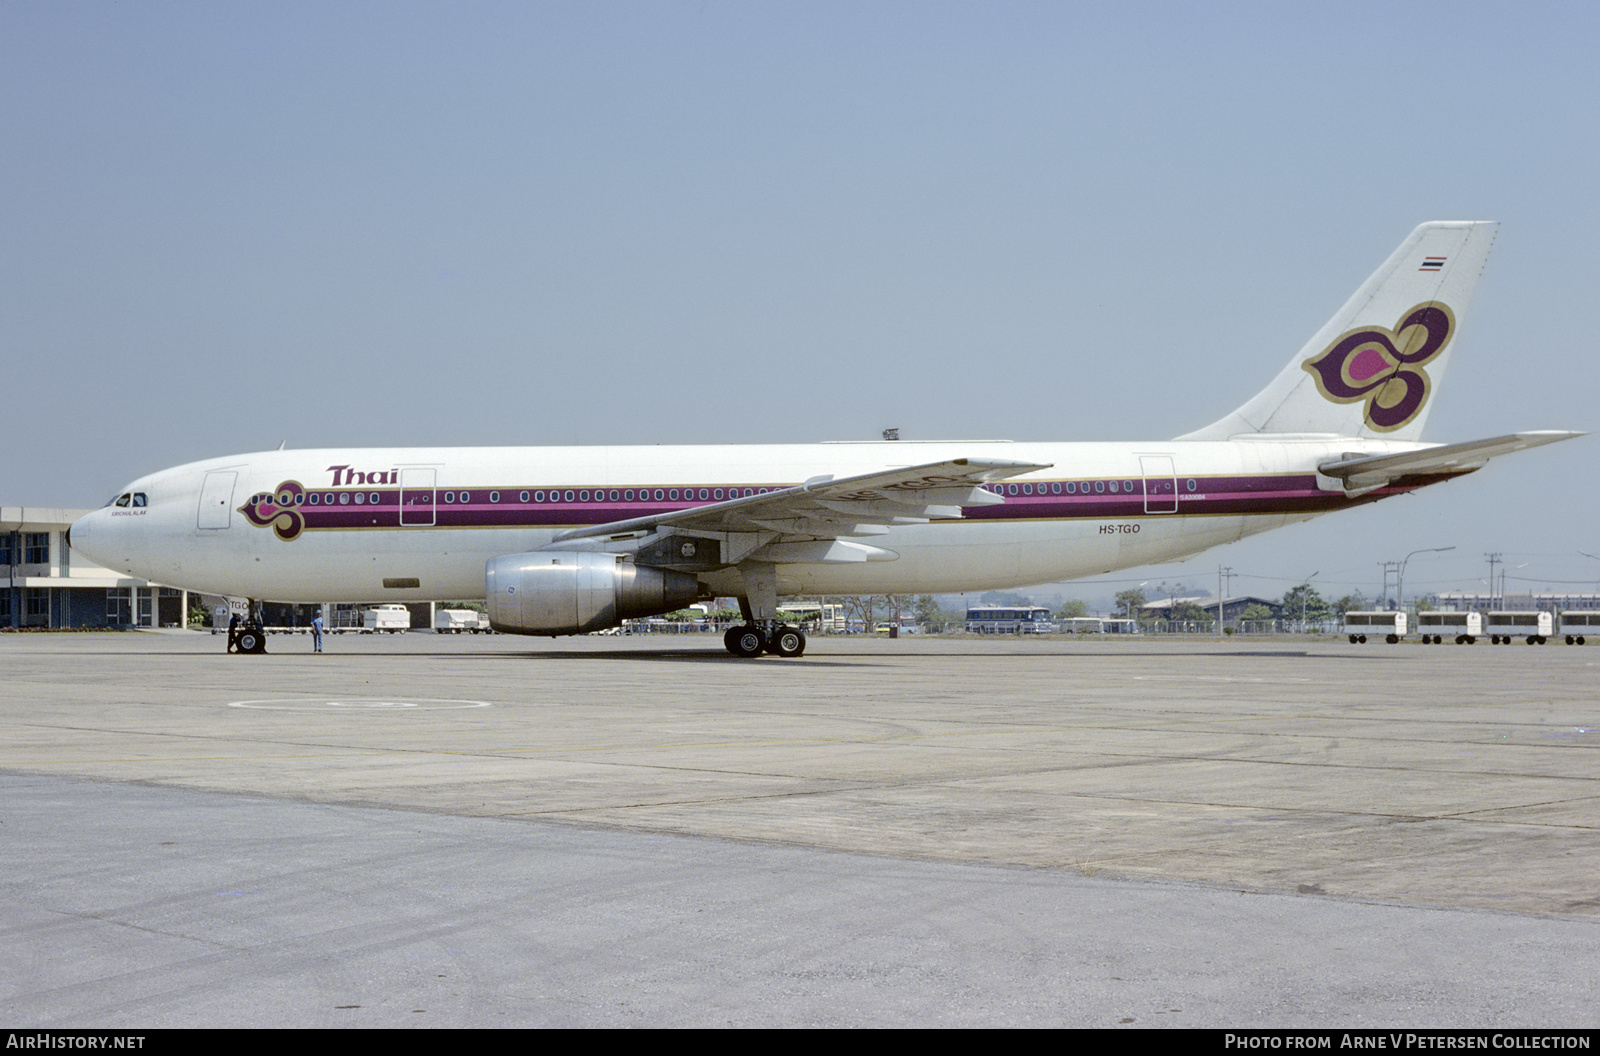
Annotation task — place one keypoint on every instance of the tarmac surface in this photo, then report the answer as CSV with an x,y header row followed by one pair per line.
x,y
423,830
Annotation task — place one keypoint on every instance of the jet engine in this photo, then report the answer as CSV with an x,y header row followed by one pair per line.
x,y
557,592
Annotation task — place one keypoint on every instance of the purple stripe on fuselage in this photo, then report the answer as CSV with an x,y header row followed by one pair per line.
x,y
1275,494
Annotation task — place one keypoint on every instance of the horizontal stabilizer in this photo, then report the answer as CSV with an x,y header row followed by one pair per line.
x,y
1377,470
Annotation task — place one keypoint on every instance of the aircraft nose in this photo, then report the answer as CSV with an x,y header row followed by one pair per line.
x,y
81,534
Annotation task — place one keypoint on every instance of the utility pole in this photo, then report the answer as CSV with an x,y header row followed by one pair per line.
x,y
1493,558
1221,594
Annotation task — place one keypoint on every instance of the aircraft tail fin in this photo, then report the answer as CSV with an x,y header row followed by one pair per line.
x,y
1371,371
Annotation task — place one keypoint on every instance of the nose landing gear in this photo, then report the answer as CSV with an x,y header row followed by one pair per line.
x,y
248,637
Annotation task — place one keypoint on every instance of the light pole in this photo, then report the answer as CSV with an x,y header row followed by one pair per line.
x,y
1400,577
1306,596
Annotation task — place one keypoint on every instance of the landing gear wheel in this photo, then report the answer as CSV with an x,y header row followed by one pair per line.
x,y
745,641
787,642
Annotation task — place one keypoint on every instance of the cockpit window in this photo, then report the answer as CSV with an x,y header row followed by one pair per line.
x,y
124,499
139,499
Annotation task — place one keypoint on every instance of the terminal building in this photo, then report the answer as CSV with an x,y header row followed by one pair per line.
x,y
49,586
1233,608
1527,601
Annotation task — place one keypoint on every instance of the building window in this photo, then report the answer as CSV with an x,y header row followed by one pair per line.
x,y
37,548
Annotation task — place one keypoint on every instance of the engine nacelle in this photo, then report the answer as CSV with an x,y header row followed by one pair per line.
x,y
558,592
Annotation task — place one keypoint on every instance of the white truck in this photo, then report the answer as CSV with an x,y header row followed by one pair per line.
x,y
454,621
388,619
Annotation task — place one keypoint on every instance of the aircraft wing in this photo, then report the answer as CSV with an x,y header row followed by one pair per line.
x,y
806,522
1377,470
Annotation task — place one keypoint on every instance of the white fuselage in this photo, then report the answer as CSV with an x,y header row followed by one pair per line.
x,y
419,524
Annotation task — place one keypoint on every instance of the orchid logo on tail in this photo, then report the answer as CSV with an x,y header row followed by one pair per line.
x,y
1385,367
279,509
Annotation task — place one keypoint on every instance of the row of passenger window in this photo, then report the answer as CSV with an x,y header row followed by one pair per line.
x,y
451,498
316,498
613,495
1070,487
343,498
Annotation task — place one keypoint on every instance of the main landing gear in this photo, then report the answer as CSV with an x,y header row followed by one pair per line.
x,y
750,641
761,631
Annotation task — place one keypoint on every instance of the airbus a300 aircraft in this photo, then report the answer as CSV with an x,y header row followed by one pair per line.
x,y
571,540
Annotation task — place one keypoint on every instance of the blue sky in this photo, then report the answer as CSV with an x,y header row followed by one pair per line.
x,y
227,226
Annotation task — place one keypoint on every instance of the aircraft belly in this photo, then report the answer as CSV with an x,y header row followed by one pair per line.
x,y
963,557
439,565
957,559
1154,540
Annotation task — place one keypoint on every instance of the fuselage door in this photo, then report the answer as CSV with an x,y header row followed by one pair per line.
x,y
416,498
1160,484
216,499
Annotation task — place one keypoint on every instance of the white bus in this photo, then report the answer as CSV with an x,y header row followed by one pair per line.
x,y
1464,627
1010,621
1535,627
1575,623
1392,625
